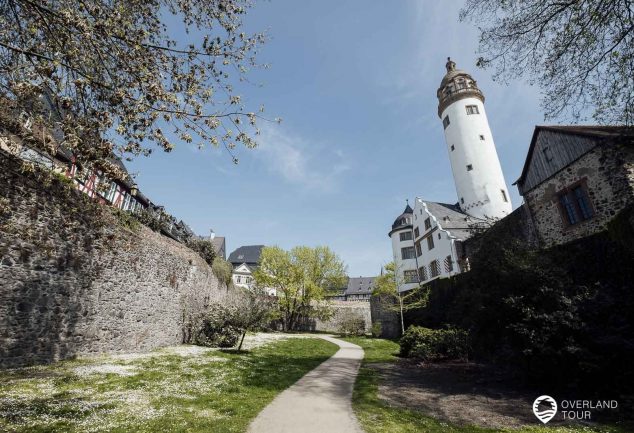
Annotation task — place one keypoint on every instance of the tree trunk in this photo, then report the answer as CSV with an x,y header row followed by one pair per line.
x,y
242,340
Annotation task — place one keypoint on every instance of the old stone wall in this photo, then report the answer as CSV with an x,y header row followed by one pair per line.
x,y
342,310
78,279
609,175
385,313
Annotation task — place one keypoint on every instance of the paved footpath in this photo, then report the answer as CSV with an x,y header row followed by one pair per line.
x,y
320,402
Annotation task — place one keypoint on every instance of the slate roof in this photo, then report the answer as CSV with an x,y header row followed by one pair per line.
x,y
360,286
603,133
404,220
249,254
453,219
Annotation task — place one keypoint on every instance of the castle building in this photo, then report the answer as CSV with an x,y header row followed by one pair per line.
x,y
428,240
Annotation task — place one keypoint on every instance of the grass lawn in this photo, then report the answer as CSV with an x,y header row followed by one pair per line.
x,y
377,416
181,389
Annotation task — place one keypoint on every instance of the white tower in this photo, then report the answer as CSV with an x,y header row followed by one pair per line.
x,y
480,184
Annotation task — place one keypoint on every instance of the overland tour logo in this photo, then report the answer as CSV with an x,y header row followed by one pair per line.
x,y
545,408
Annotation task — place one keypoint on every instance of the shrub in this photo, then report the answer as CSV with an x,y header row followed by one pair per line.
x,y
204,248
376,329
353,324
214,333
222,269
434,344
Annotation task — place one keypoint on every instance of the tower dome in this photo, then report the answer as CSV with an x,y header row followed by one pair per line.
x,y
403,220
455,85
477,173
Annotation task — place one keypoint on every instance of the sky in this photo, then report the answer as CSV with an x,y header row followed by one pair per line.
x,y
355,85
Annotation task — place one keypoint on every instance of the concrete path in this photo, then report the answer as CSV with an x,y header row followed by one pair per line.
x,y
320,402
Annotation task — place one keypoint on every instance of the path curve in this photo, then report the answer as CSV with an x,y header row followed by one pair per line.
x,y
320,402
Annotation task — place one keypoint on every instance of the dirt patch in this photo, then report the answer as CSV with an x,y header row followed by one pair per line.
x,y
460,393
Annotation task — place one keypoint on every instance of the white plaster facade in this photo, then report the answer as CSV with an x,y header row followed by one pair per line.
x,y
478,177
439,234
402,237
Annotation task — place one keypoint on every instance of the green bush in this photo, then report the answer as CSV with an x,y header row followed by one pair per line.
x,y
434,344
217,334
377,329
222,269
204,248
353,324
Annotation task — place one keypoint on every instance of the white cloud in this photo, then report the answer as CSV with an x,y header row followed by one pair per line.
x,y
299,161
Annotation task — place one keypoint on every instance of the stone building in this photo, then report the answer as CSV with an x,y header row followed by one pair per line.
x,y
576,179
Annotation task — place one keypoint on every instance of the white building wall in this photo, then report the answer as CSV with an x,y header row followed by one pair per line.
x,y
402,264
480,189
444,244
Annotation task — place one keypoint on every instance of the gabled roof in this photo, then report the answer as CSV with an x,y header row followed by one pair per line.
x,y
243,267
452,219
360,286
249,254
601,133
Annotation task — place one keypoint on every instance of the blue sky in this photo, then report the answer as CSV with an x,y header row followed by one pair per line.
x,y
355,84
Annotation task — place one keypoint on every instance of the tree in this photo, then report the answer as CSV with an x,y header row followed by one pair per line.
x,y
251,309
300,276
581,52
108,75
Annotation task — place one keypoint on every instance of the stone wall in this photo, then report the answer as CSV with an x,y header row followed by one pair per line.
x,y
385,313
342,310
609,175
78,279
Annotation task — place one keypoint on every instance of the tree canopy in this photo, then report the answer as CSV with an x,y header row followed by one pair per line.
x,y
580,52
301,277
112,76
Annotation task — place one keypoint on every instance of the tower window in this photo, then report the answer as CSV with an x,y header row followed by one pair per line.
x,y
472,109
481,137
453,147
461,200
406,236
407,253
469,167
445,122
504,197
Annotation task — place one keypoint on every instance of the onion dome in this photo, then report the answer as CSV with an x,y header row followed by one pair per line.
x,y
455,85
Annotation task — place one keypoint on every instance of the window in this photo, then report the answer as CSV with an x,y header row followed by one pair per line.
x,y
445,122
504,197
472,109
481,137
419,250
438,235
111,192
575,205
430,242
453,147
434,268
406,236
422,273
410,276
416,232
407,253
448,264
461,200
469,167
427,223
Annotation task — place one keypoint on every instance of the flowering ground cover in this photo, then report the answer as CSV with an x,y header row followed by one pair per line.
x,y
178,389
